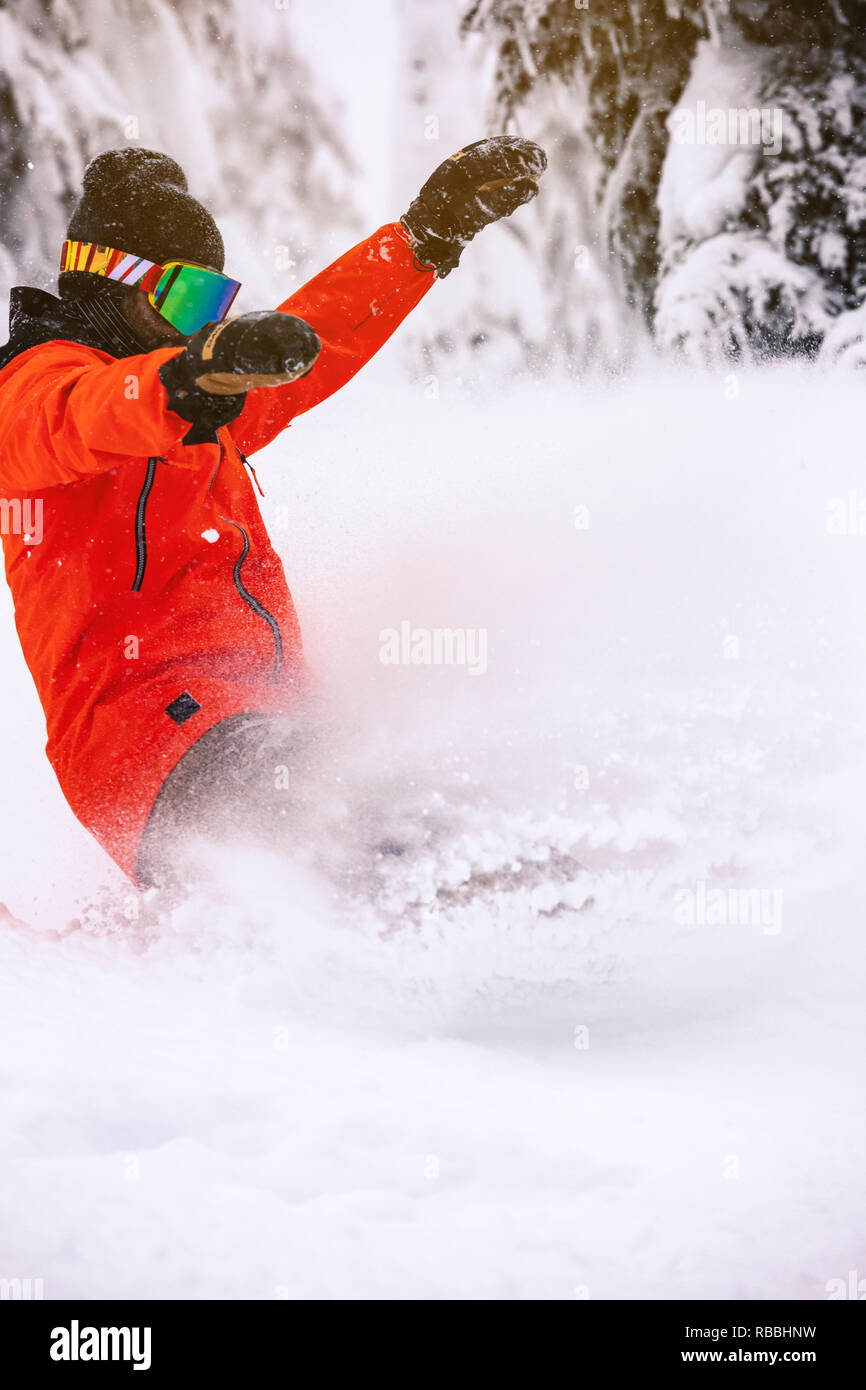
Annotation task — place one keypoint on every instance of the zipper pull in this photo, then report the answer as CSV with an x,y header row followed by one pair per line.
x,y
245,460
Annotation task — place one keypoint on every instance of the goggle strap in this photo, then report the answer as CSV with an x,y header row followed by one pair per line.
x,y
110,263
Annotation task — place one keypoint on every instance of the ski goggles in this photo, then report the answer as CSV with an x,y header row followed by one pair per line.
x,y
186,294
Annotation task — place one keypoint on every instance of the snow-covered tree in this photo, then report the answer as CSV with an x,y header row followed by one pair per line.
x,y
730,190
218,85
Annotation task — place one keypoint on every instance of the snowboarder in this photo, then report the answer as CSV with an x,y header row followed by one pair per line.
x,y
152,610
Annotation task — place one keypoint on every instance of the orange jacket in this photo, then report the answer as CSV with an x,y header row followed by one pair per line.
x,y
154,605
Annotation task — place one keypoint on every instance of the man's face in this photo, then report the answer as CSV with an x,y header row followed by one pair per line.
x,y
148,323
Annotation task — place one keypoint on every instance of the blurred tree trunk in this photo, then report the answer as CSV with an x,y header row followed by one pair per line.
x,y
532,293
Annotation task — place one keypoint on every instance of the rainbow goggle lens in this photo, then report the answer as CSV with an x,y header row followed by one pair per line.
x,y
188,295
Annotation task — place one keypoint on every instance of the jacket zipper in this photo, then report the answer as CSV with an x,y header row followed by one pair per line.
x,y
252,602
140,523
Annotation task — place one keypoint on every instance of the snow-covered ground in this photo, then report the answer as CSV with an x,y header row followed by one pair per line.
x,y
502,1062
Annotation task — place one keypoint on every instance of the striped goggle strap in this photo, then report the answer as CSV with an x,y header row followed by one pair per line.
x,y
112,264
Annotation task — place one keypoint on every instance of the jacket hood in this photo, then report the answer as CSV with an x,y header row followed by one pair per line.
x,y
35,316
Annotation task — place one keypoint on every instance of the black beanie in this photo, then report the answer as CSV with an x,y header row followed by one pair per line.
x,y
137,201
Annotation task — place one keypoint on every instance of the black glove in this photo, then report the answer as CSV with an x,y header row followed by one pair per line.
x,y
207,382
476,186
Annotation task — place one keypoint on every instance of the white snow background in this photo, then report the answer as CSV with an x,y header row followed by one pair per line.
x,y
494,1065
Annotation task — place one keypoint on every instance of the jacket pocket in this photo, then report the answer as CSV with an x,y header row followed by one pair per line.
x,y
252,602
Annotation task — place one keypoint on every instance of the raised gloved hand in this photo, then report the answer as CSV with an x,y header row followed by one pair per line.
x,y
207,382
478,185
